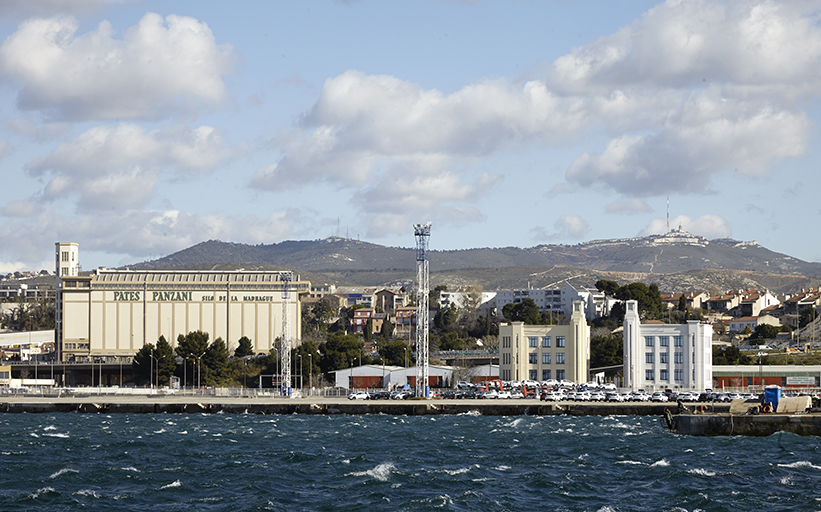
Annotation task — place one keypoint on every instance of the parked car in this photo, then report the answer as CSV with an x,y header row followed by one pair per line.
x,y
358,395
552,396
614,396
658,396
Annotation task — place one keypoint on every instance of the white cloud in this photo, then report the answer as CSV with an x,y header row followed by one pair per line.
x,y
160,67
633,205
117,167
141,234
709,226
566,227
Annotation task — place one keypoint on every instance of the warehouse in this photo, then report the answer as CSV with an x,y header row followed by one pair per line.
x,y
109,315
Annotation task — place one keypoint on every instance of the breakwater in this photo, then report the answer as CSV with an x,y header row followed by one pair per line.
x,y
325,406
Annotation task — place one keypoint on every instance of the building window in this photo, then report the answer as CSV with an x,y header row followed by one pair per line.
x,y
546,358
678,358
649,375
559,357
664,374
533,341
678,374
649,358
545,374
678,341
531,358
545,341
559,374
649,341
65,255
664,358
664,341
560,341
532,374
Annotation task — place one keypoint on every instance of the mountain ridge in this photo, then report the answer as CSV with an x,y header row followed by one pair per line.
x,y
674,257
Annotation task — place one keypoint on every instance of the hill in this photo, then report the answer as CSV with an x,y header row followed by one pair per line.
x,y
676,261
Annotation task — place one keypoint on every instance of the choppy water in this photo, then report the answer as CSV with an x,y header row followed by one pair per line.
x,y
245,462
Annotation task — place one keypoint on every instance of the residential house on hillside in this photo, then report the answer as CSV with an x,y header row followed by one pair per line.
x,y
389,299
754,303
694,300
739,324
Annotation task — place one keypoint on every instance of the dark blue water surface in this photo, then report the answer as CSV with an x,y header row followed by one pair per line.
x,y
247,462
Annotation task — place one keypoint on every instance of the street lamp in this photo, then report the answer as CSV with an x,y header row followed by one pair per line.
x,y
300,371
311,373
150,371
199,371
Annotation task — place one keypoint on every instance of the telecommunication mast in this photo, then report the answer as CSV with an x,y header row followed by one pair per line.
x,y
285,340
422,233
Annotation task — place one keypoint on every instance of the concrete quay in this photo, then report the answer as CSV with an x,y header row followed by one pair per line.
x,y
318,406
727,424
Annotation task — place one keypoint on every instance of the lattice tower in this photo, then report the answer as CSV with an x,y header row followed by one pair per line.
x,y
285,339
422,233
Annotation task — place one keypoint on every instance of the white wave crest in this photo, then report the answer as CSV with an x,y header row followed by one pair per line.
x,y
36,494
61,436
381,472
474,412
175,483
660,464
87,492
634,462
130,468
800,464
461,471
63,472
701,472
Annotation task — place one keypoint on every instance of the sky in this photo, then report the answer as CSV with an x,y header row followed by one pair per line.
x,y
140,128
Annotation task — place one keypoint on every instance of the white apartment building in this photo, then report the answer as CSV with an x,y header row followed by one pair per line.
x,y
662,356
556,300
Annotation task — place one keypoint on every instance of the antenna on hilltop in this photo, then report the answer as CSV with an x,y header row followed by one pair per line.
x,y
668,214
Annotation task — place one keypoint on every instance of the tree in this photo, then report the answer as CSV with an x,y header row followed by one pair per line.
x,y
142,363
606,351
387,331
166,363
682,303
807,315
155,363
215,362
339,351
608,287
730,356
765,331
526,311
394,352
244,348
192,347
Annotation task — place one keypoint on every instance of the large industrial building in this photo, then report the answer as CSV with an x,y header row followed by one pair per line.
x,y
109,315
545,352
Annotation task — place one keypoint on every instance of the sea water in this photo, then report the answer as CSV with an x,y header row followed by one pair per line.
x,y
395,463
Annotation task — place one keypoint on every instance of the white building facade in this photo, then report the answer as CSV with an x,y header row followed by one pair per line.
x,y
666,356
544,352
555,300
111,314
